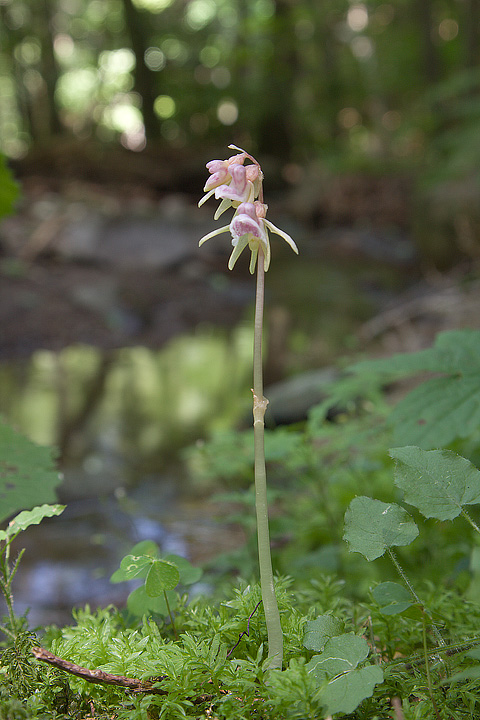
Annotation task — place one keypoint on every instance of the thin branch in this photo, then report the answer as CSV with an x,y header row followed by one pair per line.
x,y
247,631
97,676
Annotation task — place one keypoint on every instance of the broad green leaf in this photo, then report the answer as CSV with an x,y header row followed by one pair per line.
x,y
345,693
393,598
30,517
8,189
140,604
340,654
372,526
437,482
27,473
455,351
318,631
438,411
188,573
161,576
442,408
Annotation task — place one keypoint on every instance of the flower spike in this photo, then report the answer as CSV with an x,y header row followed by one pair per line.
x,y
239,186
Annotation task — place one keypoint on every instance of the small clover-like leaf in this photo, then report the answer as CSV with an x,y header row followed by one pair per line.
x,y
340,654
437,482
318,631
345,692
188,573
393,598
135,566
161,576
347,683
372,526
140,604
146,547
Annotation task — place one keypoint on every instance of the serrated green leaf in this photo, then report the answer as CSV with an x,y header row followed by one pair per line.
x,y
437,482
318,631
372,526
438,411
188,573
28,477
455,351
392,597
442,408
340,654
161,576
345,693
30,517
140,604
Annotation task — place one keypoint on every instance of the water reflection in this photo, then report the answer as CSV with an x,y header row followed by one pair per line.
x,y
119,419
133,404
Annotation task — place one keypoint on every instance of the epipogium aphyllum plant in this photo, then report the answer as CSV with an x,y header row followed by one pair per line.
x,y
240,186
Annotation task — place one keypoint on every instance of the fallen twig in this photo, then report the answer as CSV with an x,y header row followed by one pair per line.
x,y
98,676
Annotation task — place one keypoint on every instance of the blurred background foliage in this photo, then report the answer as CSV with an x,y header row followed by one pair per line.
x,y
361,84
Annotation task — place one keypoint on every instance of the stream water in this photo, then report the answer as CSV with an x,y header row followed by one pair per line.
x,y
120,419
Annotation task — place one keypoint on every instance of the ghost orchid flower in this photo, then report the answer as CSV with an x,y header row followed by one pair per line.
x,y
220,174
249,227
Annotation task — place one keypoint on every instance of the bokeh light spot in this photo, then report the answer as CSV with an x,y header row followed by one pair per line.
x,y
164,106
227,112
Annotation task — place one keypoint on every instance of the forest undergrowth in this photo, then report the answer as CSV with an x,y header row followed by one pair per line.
x,y
368,601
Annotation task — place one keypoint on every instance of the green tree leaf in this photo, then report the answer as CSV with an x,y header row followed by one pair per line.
x,y
318,631
372,526
27,473
437,482
30,517
346,692
392,597
162,576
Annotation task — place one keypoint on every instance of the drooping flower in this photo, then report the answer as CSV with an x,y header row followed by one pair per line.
x,y
239,189
249,227
220,173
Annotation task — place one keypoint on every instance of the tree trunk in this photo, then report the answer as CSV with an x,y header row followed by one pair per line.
x,y
472,33
430,59
144,78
